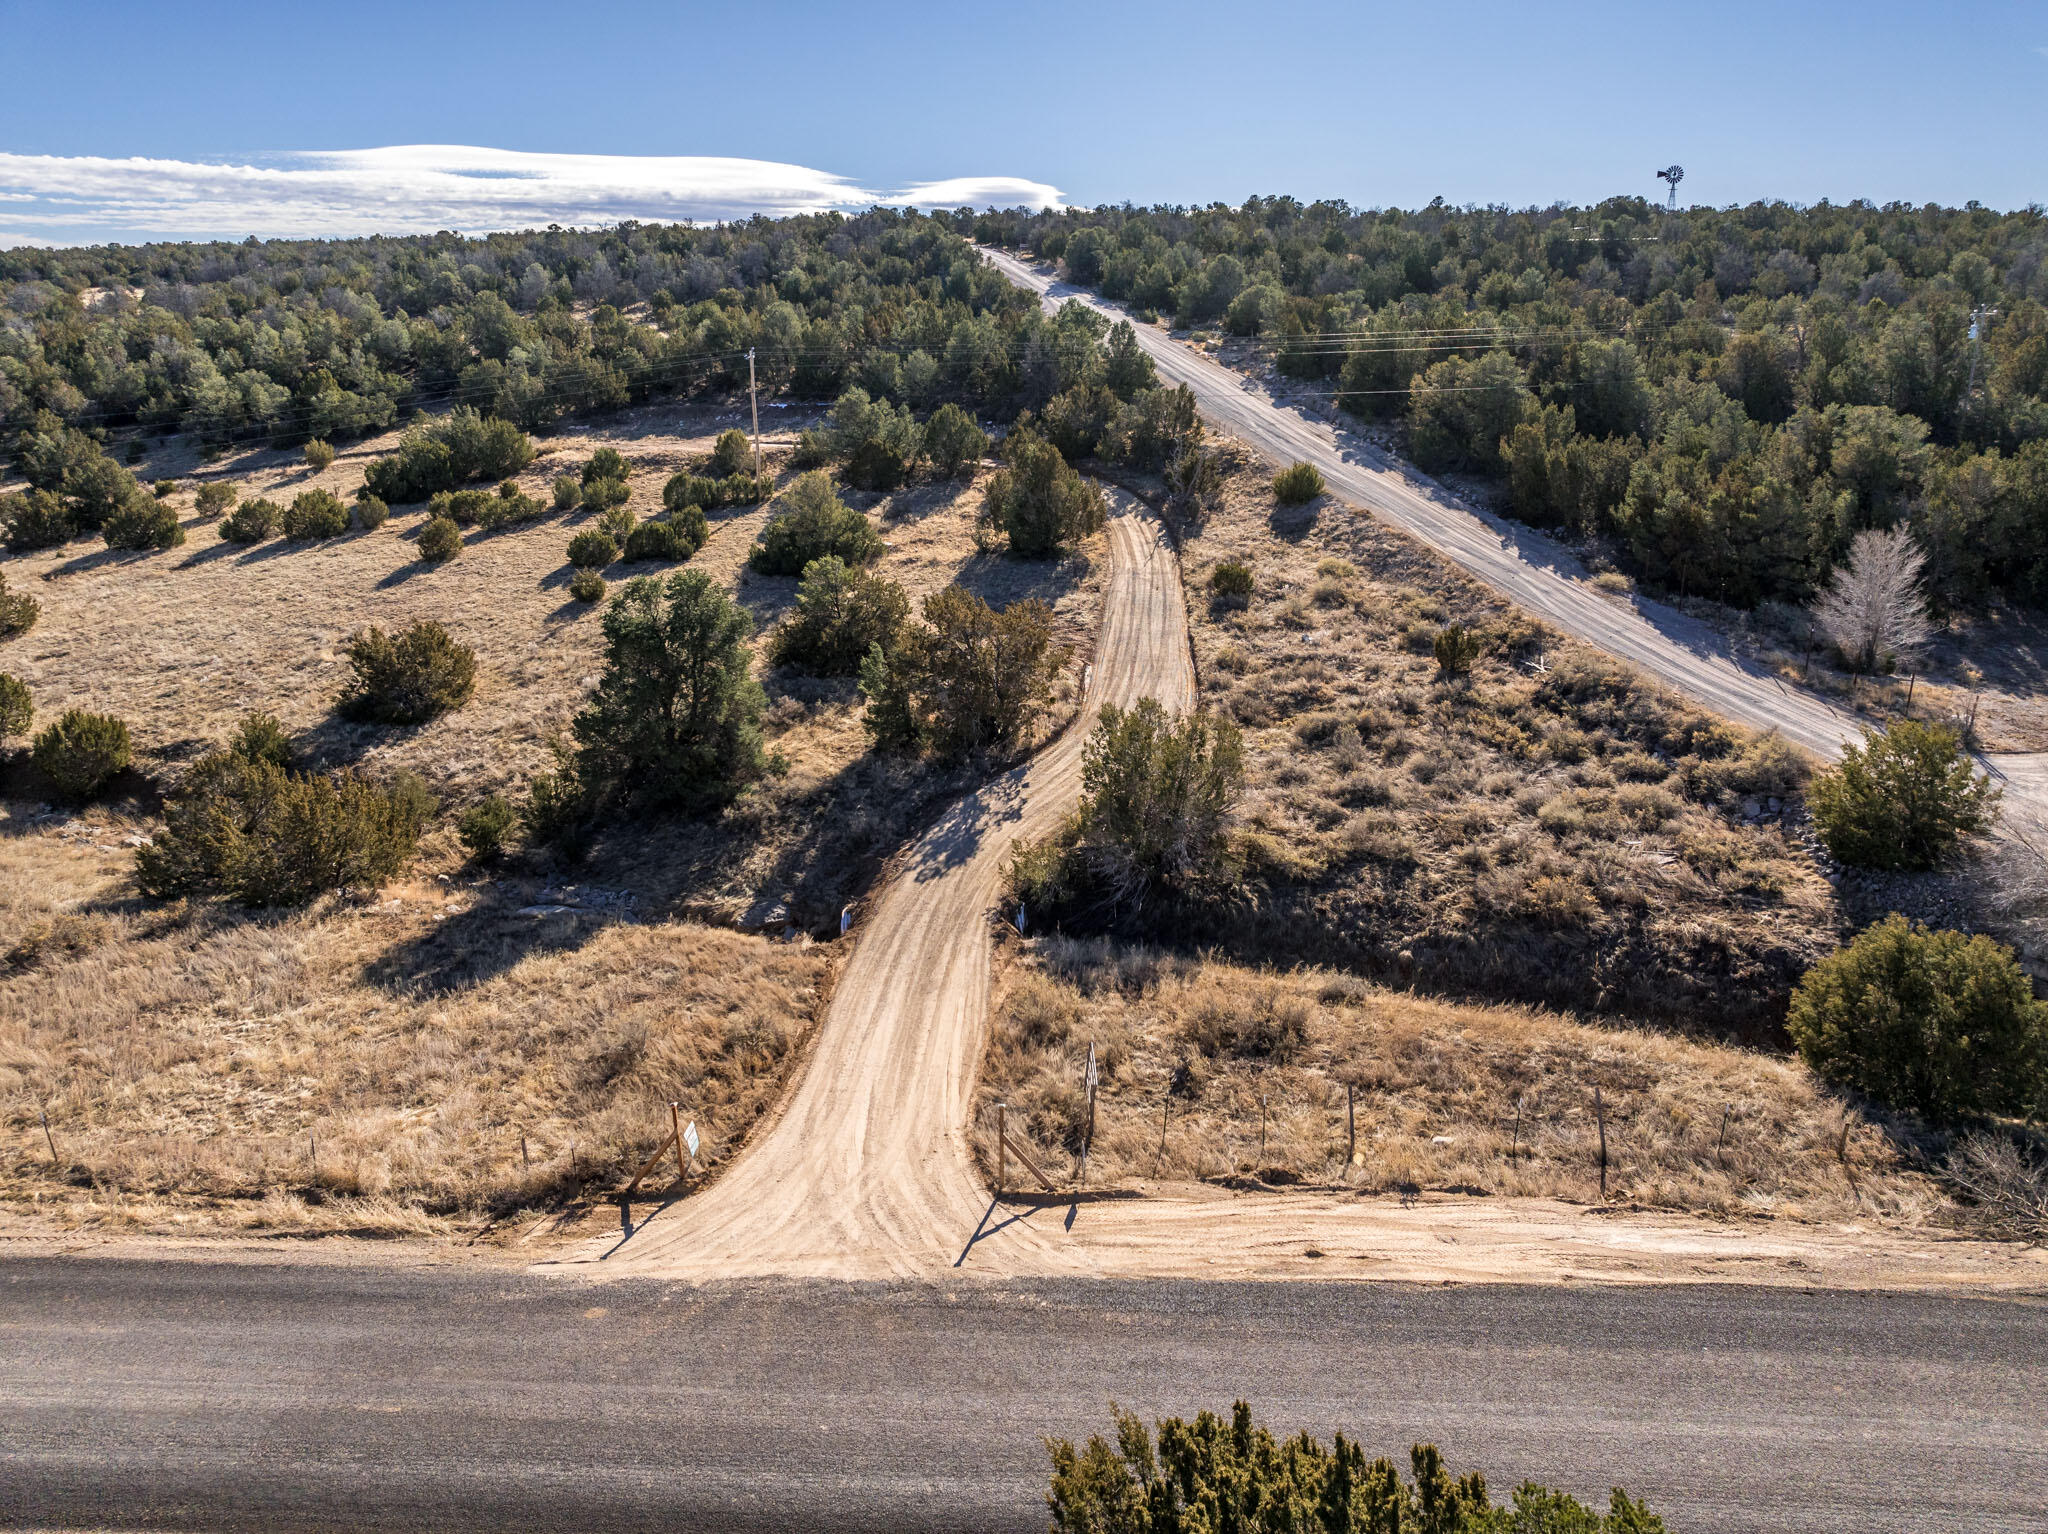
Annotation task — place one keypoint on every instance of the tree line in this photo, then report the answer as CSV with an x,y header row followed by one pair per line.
x,y
332,339
1726,396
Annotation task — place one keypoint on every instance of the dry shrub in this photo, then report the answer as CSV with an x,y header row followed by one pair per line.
x,y
2004,1191
1550,901
1268,1023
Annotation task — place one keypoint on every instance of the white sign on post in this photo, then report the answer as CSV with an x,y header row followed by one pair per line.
x,y
690,1139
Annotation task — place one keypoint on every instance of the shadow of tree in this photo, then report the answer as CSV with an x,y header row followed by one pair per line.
x,y
569,611
407,571
1294,523
913,503
477,945
966,824
790,852
131,793
865,813
102,558
337,742
223,549
1000,580
278,548
766,597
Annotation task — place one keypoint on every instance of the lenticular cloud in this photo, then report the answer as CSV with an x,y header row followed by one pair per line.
x,y
419,188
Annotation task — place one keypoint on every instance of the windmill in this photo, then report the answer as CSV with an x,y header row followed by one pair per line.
x,y
1673,174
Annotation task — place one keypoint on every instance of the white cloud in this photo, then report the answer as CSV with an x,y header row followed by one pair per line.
x,y
976,192
419,188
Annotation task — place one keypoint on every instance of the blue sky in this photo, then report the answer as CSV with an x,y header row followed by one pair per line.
x,y
1188,102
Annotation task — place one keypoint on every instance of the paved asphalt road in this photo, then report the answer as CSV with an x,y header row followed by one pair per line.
x,y
189,1395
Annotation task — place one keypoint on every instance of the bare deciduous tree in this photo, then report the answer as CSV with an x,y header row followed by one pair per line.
x,y
1872,608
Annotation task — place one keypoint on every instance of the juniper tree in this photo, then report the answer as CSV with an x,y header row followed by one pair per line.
x,y
676,718
1041,504
1156,793
840,614
1904,798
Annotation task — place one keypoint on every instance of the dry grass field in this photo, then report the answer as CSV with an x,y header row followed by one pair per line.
x,y
1551,829
373,1063
1214,1071
272,1073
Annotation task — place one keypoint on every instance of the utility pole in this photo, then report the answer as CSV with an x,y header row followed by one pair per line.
x,y
754,400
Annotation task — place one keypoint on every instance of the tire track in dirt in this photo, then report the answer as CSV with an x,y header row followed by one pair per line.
x,y
866,1171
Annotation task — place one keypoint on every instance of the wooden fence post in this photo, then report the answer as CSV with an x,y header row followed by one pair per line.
x,y
1262,1129
1515,1145
525,1155
1721,1144
1600,1114
1165,1106
1350,1127
1002,1146
1088,1144
52,1139
675,1127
